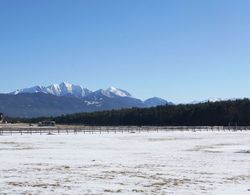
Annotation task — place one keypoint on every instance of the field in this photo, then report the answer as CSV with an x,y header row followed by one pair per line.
x,y
130,163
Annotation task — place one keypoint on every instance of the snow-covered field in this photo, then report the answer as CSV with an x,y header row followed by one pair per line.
x,y
145,163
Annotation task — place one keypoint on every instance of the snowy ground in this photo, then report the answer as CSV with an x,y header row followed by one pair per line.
x,y
146,163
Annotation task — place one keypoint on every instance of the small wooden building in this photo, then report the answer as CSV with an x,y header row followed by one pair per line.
x,y
47,123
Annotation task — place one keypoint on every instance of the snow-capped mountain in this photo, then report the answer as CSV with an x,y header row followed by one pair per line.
x,y
111,92
62,89
114,92
112,98
35,89
67,89
66,98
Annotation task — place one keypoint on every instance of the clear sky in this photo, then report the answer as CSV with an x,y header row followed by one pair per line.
x,y
181,50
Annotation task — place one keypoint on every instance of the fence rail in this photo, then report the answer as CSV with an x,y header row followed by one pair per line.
x,y
113,129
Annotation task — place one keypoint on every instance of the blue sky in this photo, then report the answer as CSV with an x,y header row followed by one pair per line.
x,y
178,50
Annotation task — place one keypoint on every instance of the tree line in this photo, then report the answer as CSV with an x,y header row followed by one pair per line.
x,y
223,113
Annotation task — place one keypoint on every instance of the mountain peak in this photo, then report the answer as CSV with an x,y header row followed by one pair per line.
x,y
64,83
78,91
113,91
81,100
62,89
156,101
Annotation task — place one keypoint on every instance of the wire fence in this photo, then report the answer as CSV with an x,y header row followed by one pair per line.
x,y
113,129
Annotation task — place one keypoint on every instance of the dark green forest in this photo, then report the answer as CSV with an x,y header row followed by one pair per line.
x,y
208,114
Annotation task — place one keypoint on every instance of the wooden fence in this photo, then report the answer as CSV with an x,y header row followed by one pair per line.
x,y
113,129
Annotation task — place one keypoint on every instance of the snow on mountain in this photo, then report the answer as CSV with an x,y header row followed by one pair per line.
x,y
114,92
75,90
67,89
66,98
63,89
54,89
104,98
35,89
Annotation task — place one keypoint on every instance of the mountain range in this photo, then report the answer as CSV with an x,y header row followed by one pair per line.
x,y
66,98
